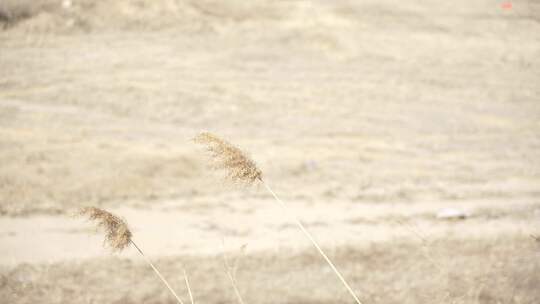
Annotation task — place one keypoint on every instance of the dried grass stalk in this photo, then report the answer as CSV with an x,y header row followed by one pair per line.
x,y
231,272
243,168
118,237
188,287
117,234
226,156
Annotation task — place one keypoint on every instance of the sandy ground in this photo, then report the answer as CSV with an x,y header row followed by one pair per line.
x,y
366,117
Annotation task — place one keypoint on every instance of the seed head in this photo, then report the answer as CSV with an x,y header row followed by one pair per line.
x,y
226,156
117,233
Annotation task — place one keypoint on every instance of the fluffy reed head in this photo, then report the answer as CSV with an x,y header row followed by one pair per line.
x,y
226,156
117,233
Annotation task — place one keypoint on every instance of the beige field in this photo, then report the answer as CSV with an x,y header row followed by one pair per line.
x,y
366,117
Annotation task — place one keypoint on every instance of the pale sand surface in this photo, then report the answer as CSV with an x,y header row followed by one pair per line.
x,y
178,230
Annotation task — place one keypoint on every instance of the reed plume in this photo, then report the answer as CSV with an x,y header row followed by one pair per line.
x,y
118,237
240,167
117,234
226,156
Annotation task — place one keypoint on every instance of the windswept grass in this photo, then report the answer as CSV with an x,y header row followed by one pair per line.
x,y
241,167
227,156
117,233
118,237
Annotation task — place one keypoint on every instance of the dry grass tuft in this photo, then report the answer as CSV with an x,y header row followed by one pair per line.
x,y
226,156
117,234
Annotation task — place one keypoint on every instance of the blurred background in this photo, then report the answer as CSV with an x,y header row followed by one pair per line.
x,y
404,134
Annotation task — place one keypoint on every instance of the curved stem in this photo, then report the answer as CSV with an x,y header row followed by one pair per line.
x,y
310,237
157,272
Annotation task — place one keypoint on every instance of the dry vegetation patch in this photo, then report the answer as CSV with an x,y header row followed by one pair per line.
x,y
14,11
505,270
